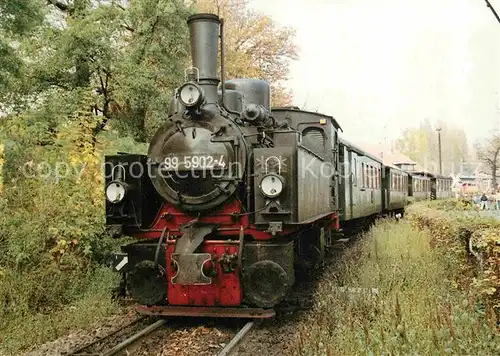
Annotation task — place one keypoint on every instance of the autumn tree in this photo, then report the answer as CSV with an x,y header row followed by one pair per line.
x,y
132,54
488,153
255,46
79,79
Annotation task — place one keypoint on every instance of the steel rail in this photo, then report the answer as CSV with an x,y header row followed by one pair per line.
x,y
134,338
101,339
236,339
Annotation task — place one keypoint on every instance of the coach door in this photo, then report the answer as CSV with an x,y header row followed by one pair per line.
x,y
353,182
345,179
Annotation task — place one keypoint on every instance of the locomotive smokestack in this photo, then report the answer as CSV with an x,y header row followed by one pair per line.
x,y
204,34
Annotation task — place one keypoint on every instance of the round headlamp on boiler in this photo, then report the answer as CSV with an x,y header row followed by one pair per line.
x,y
191,95
272,185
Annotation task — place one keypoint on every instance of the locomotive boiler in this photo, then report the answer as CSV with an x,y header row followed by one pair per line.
x,y
232,196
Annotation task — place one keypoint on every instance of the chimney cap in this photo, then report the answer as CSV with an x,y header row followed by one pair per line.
x,y
204,16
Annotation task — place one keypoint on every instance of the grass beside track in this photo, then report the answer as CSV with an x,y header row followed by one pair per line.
x,y
22,330
420,308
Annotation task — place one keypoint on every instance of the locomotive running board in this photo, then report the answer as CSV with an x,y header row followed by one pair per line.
x,y
215,312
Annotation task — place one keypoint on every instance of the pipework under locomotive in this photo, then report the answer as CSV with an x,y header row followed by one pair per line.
x,y
222,203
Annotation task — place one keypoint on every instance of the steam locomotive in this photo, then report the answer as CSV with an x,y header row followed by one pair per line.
x,y
234,195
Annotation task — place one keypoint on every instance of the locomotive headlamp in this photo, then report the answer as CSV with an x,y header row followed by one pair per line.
x,y
115,192
190,95
272,185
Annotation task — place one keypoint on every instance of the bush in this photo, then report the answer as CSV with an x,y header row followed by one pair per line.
x,y
53,273
472,238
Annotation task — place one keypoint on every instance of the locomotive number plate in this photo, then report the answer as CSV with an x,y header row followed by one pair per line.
x,y
194,162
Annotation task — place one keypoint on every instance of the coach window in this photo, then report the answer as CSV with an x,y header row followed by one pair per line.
x,y
367,167
368,176
371,178
355,172
362,175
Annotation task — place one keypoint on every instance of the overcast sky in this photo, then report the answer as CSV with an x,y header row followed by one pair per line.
x,y
379,66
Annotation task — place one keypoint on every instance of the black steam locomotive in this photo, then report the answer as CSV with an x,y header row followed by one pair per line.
x,y
233,195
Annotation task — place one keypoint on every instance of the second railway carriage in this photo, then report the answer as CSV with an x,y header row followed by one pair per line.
x,y
395,185
360,191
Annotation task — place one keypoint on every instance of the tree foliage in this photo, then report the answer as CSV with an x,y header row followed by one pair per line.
x,y
255,46
421,145
80,79
17,19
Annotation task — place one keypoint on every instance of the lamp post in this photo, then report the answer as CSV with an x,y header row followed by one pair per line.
x,y
439,147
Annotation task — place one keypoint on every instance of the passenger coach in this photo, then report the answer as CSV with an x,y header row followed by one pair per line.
x,y
360,183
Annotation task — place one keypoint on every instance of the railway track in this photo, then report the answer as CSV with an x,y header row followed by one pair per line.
x,y
114,342
236,339
128,338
